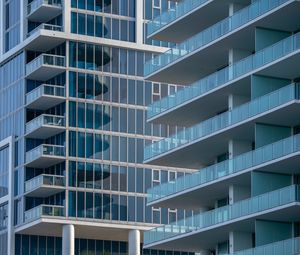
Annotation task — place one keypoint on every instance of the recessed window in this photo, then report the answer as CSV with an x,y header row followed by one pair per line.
x,y
172,176
172,215
172,89
156,3
155,177
156,89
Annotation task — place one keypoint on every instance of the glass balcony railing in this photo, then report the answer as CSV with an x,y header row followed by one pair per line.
x,y
45,59
224,120
45,90
243,208
45,150
44,210
226,168
44,179
285,247
35,4
46,27
45,119
226,75
240,18
169,16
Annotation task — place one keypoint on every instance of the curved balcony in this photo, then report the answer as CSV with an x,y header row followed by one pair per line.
x,y
200,187
232,124
173,25
278,59
45,155
43,10
45,126
44,185
100,87
182,64
47,211
280,204
45,97
45,67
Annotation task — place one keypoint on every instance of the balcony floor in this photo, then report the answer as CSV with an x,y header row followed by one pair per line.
x,y
188,69
180,29
204,195
44,40
208,238
215,101
45,102
45,72
44,13
202,151
44,191
45,161
87,229
45,131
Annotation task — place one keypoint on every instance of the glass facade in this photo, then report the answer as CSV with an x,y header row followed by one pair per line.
x,y
40,245
4,168
3,227
12,23
153,9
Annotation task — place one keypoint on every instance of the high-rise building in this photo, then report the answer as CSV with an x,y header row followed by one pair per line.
x,y
73,127
238,60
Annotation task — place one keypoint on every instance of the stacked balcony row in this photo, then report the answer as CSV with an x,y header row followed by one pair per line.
x,y
44,37
240,23
241,132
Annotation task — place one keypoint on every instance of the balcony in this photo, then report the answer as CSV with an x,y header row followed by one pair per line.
x,y
44,37
236,123
45,27
45,126
47,211
285,247
280,205
173,25
45,67
45,97
180,65
45,155
212,182
276,60
44,185
43,10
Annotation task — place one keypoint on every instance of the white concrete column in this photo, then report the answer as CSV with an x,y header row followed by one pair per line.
x,y
67,15
68,240
134,237
23,20
139,21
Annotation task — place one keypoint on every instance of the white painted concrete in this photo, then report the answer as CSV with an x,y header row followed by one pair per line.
x,y
139,22
68,240
134,237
